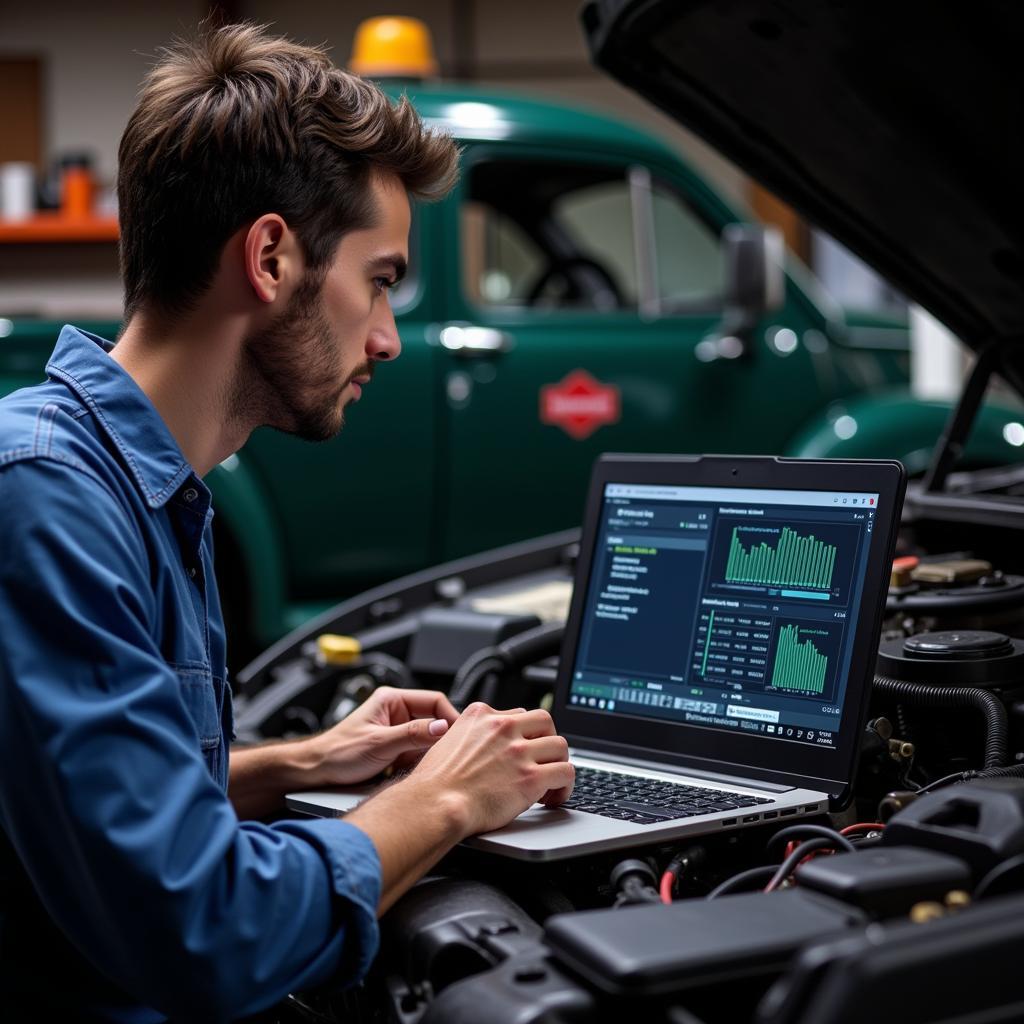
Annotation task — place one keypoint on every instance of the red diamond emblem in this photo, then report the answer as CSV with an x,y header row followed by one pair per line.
x,y
579,404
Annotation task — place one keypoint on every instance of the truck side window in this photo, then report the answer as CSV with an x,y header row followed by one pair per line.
x,y
688,255
550,235
500,261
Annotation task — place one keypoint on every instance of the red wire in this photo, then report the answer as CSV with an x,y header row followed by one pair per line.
x,y
866,826
667,881
815,853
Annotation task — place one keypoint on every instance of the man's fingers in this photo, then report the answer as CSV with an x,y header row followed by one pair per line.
x,y
418,734
428,703
536,723
559,779
547,749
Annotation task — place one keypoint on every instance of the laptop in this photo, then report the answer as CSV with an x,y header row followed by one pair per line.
x,y
718,653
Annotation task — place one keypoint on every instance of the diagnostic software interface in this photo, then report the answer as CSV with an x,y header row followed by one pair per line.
x,y
725,608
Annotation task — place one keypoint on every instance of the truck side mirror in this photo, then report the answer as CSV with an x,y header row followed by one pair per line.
x,y
755,284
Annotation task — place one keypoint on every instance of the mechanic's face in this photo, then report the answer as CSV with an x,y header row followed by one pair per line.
x,y
316,357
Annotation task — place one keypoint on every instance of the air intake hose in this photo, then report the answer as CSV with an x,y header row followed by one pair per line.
x,y
530,646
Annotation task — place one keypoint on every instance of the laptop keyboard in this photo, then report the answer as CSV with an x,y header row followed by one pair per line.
x,y
648,801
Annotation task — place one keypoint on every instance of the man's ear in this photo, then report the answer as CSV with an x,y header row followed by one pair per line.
x,y
271,258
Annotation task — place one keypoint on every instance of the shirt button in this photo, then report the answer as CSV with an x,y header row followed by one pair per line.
x,y
190,495
192,573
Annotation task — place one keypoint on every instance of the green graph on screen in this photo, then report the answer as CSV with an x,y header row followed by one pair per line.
x,y
795,561
799,665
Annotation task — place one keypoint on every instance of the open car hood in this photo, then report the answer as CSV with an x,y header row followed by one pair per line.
x,y
896,127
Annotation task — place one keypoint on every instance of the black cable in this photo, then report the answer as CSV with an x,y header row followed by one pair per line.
x,y
998,872
786,868
759,876
814,831
946,780
522,649
990,707
815,837
1010,771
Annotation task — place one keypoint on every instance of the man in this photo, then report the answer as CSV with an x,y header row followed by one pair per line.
x,y
264,214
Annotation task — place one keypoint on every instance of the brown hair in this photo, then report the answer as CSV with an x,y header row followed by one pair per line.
x,y
237,123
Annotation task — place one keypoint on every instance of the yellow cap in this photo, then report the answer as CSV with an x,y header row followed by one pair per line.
x,y
393,48
338,650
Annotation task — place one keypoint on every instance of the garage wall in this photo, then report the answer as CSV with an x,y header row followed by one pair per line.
x,y
95,55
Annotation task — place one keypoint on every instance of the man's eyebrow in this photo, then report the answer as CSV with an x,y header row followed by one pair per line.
x,y
395,261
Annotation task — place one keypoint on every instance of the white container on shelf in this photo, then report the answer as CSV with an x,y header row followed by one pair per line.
x,y
17,190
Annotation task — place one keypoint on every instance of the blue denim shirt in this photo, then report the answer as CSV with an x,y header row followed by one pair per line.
x,y
129,890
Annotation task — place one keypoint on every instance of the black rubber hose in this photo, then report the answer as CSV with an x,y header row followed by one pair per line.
x,y
473,670
752,878
1009,771
531,645
997,742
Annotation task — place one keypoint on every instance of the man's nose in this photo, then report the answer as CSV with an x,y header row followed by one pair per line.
x,y
383,342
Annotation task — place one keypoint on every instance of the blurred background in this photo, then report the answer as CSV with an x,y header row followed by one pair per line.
x,y
69,73
592,285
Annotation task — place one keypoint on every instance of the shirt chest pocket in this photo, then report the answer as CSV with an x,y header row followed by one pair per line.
x,y
204,701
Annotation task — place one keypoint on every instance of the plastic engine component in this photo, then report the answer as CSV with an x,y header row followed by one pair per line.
x,y
964,967
445,929
964,657
885,882
526,989
656,950
981,822
448,636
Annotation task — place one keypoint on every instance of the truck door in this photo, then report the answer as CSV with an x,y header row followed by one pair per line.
x,y
585,289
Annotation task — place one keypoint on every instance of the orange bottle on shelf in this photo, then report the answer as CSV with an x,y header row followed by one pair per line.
x,y
76,189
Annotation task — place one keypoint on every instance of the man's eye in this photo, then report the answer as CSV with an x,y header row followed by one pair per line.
x,y
384,284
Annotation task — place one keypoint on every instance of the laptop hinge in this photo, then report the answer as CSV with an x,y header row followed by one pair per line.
x,y
696,773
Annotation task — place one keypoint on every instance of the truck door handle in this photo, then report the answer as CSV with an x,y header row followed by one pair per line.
x,y
469,342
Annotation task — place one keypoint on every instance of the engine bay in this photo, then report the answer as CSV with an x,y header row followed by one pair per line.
x,y
914,887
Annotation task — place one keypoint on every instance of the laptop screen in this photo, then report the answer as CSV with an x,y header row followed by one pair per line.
x,y
722,608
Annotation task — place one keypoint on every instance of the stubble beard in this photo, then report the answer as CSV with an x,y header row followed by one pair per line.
x,y
291,377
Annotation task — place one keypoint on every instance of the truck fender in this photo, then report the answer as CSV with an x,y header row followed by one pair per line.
x,y
242,512
896,425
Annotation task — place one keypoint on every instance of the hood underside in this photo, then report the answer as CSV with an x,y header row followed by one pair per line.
x,y
897,127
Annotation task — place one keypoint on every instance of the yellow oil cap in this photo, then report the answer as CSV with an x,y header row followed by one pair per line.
x,y
392,47
338,650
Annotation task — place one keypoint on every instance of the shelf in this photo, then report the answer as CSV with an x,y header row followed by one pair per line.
x,y
54,227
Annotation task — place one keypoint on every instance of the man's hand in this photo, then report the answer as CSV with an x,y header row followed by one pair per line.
x,y
495,764
392,728
487,769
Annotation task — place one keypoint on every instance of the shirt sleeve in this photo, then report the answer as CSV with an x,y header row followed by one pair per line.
x,y
135,852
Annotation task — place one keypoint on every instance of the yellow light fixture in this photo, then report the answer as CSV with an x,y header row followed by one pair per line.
x,y
391,47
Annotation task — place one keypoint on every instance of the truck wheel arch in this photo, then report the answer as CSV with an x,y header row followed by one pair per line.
x,y
896,425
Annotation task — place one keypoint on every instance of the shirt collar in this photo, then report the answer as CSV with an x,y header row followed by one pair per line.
x,y
123,411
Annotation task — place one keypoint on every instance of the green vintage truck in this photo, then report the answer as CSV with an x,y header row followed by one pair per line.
x,y
579,292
